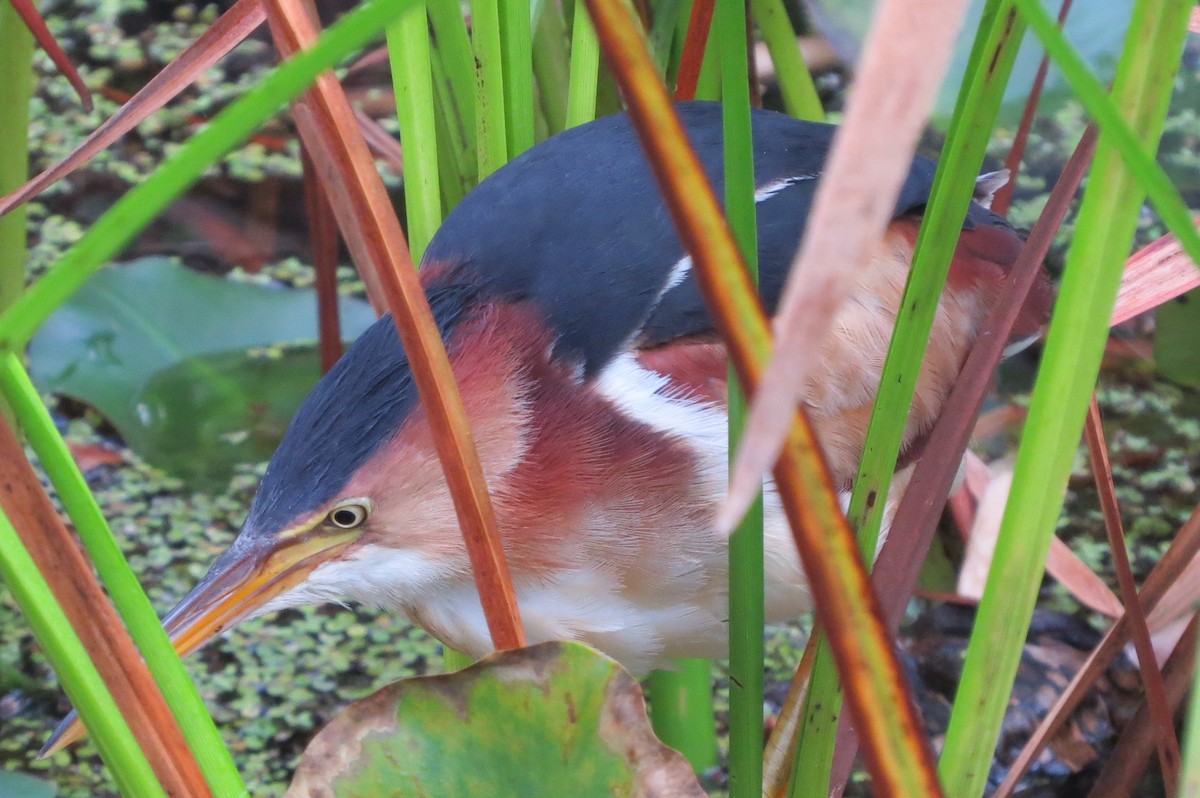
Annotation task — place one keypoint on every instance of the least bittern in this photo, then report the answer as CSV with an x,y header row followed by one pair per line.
x,y
596,389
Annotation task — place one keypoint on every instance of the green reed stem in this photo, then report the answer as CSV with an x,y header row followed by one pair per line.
x,y
412,80
585,69
681,710
746,596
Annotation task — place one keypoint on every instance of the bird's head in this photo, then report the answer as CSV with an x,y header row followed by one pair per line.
x,y
353,506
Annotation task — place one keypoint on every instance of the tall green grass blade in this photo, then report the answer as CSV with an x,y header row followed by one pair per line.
x,y
815,744
517,47
992,57
76,673
1189,782
1101,106
141,204
16,88
800,96
491,138
608,96
681,710
662,32
746,597
552,65
456,160
104,240
123,587
1074,346
453,46
412,79
708,86
585,69
454,85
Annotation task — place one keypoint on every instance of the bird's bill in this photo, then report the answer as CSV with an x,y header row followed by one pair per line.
x,y
244,579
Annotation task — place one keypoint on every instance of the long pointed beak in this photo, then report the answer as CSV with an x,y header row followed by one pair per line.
x,y
243,580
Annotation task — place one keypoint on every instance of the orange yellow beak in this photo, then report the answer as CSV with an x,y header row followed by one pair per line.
x,y
244,579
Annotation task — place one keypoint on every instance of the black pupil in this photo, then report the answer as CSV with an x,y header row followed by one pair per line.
x,y
345,517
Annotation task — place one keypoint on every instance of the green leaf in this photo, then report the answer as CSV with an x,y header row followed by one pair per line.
x,y
550,720
18,785
16,56
186,366
1176,330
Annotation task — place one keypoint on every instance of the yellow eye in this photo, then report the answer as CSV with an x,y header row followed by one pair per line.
x,y
348,515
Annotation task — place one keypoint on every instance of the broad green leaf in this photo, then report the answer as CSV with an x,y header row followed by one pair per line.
x,y
556,719
18,785
189,368
1176,330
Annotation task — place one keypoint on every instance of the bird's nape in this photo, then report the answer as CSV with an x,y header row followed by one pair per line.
x,y
241,583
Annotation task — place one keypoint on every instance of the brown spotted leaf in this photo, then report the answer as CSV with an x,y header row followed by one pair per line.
x,y
556,719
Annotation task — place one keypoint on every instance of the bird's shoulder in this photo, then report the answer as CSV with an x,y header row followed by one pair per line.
x,y
578,226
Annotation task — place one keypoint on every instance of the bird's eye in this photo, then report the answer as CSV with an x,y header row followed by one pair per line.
x,y
348,515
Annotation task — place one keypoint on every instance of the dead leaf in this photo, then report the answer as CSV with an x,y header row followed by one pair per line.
x,y
1156,273
550,720
91,455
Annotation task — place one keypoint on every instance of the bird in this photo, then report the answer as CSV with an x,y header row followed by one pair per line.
x,y
595,386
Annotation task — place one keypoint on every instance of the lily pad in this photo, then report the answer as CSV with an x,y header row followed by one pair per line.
x,y
197,373
18,785
552,720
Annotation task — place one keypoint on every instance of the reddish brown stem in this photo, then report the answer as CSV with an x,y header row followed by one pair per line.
x,y
1128,759
323,237
1152,679
1183,548
780,752
382,143
694,46
896,571
372,232
96,622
